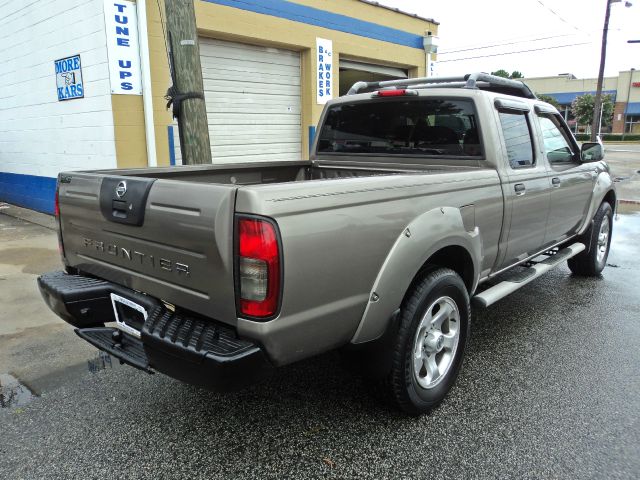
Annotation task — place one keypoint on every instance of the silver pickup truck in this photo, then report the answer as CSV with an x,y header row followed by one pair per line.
x,y
421,197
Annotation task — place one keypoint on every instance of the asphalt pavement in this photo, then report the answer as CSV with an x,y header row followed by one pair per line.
x,y
549,389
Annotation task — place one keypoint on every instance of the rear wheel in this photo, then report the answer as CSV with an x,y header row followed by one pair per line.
x,y
428,349
591,262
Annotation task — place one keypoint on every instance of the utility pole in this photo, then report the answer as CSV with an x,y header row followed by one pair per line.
x,y
597,104
626,105
187,93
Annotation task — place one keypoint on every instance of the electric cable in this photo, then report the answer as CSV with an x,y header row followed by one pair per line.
x,y
518,51
505,44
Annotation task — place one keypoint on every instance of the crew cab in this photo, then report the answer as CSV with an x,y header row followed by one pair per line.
x,y
421,198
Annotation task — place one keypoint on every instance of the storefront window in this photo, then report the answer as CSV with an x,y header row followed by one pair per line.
x,y
632,124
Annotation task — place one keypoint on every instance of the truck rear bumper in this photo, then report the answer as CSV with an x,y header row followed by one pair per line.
x,y
185,346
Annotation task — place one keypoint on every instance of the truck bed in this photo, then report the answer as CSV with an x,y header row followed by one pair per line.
x,y
172,234
273,172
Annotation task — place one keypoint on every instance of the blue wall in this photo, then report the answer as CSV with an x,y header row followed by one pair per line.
x,y
29,191
565,98
321,18
172,147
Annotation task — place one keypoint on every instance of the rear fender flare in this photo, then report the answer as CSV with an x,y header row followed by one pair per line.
x,y
427,234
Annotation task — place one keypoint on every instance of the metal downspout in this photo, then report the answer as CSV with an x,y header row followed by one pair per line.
x,y
147,97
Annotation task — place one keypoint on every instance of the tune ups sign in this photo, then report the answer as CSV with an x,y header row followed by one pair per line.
x,y
69,78
123,48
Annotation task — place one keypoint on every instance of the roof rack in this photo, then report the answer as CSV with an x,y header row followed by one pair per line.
x,y
482,81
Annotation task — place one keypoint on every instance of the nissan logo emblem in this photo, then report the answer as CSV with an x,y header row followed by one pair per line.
x,y
121,189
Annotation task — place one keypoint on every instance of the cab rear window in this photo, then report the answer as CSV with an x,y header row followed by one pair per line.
x,y
426,127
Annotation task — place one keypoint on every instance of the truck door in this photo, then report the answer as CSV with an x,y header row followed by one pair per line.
x,y
527,191
572,181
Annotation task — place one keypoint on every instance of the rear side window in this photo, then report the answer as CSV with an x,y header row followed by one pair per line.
x,y
517,137
426,127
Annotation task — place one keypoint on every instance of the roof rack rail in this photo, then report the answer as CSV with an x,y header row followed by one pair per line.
x,y
482,81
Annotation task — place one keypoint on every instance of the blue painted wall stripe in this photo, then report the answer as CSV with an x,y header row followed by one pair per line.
x,y
312,136
565,98
322,18
29,191
172,147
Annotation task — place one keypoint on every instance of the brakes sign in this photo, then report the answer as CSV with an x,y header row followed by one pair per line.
x,y
324,70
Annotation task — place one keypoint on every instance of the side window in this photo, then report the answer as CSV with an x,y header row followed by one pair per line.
x,y
556,144
517,136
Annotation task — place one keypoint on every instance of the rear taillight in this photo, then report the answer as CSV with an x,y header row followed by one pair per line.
x,y
395,92
258,267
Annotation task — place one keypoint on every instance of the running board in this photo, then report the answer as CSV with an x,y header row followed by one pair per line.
x,y
502,289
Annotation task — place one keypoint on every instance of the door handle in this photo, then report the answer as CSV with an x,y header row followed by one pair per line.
x,y
519,188
555,181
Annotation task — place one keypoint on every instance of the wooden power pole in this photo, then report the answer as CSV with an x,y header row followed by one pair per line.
x,y
597,103
188,90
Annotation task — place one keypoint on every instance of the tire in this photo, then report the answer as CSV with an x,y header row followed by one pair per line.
x,y
591,262
426,340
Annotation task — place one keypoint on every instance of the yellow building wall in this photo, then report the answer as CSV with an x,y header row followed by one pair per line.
x,y
160,77
228,23
562,84
128,118
128,110
625,89
373,14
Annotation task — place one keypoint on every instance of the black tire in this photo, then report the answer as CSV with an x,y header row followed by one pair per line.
x,y
591,262
403,383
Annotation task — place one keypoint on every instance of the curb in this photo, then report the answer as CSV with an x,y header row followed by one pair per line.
x,y
630,202
31,216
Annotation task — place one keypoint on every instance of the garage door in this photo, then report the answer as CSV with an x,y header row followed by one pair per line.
x,y
253,101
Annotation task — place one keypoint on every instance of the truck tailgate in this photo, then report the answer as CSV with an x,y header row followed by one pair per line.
x,y
158,237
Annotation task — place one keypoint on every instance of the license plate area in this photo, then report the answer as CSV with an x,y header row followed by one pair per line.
x,y
130,316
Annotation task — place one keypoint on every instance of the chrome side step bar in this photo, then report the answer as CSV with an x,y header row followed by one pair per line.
x,y
502,289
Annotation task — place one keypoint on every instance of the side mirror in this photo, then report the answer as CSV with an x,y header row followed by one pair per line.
x,y
592,152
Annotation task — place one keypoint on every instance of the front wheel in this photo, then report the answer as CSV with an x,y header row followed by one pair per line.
x,y
591,262
428,349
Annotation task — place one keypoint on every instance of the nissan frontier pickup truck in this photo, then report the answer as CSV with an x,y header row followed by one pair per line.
x,y
421,198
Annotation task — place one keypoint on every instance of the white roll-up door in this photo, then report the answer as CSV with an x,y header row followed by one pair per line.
x,y
253,101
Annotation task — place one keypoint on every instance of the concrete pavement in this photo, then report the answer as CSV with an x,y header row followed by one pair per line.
x,y
35,345
624,160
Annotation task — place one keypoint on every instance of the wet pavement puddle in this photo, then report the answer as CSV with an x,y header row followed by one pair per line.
x,y
15,394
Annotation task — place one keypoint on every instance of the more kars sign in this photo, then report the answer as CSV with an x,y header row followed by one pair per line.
x,y
123,48
69,78
324,70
